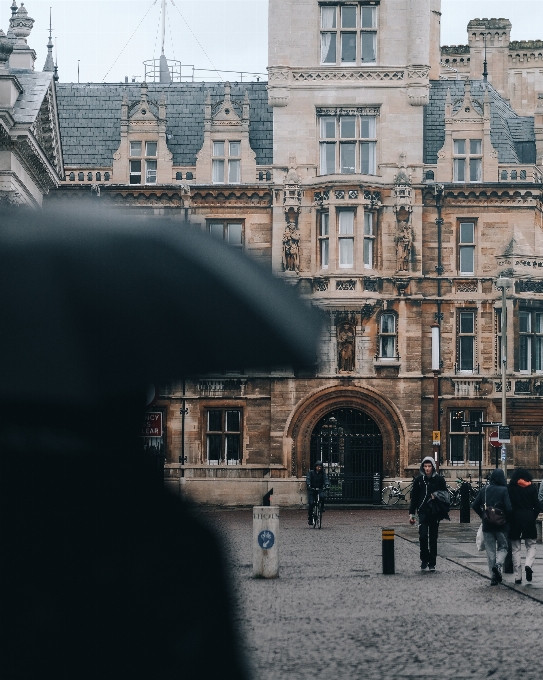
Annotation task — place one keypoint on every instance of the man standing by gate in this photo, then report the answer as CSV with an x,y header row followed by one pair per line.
x,y
317,482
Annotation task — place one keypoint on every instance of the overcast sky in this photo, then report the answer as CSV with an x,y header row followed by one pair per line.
x,y
221,34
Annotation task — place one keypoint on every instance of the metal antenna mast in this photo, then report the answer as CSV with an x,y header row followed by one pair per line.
x,y
165,75
163,24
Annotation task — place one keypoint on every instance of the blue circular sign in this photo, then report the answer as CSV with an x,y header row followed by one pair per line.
x,y
266,539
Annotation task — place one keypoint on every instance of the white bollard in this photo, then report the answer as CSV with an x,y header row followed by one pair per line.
x,y
265,541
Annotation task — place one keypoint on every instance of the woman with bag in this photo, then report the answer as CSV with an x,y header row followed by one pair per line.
x,y
526,508
494,507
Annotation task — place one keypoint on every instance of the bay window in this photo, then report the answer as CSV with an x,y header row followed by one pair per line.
x,y
348,142
346,239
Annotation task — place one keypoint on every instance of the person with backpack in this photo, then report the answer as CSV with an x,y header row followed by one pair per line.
x,y
526,508
492,504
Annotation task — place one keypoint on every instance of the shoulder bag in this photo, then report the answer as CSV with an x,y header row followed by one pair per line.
x,y
492,515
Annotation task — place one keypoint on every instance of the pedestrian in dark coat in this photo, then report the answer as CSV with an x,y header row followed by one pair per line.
x,y
425,487
494,494
317,483
526,508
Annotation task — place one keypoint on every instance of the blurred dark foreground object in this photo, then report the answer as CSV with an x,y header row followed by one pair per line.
x,y
97,306
103,574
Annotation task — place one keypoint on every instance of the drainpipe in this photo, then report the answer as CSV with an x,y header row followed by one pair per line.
x,y
438,317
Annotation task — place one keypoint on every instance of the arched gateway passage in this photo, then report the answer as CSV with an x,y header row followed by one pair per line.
x,y
350,444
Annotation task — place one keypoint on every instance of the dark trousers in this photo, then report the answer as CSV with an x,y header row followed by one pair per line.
x,y
312,499
428,530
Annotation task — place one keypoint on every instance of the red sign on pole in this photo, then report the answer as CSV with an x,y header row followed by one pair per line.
x,y
494,441
152,425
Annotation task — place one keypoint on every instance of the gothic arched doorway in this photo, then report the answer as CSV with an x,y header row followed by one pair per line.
x,y
350,444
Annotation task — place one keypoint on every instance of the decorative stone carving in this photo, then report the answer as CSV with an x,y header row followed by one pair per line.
x,y
321,196
340,195
353,193
346,347
349,284
291,248
292,194
321,285
21,24
466,287
404,242
348,111
344,74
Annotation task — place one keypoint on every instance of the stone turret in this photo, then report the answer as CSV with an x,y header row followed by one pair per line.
x,y
497,35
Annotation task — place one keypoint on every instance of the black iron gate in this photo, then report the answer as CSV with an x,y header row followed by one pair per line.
x,y
350,445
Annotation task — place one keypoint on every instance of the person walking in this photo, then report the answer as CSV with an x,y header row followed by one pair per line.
x,y
494,495
317,482
526,507
540,494
425,488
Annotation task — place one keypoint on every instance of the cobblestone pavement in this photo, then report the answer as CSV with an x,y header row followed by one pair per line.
x,y
332,613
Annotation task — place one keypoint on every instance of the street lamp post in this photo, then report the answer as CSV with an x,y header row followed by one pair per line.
x,y
504,283
436,368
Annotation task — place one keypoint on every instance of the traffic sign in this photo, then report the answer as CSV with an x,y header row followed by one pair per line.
x,y
504,433
436,438
494,440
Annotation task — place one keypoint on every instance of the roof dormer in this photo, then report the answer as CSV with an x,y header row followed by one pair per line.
x,y
226,156
467,156
143,157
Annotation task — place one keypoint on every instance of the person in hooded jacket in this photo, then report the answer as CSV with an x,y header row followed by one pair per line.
x,y
317,482
526,508
495,495
424,491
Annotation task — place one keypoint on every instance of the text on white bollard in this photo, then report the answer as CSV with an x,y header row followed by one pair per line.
x,y
265,542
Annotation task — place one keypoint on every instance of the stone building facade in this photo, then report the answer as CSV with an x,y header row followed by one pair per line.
x,y
391,198
515,67
31,162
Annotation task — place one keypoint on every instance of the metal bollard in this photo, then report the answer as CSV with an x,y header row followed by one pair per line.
x,y
464,503
265,541
388,550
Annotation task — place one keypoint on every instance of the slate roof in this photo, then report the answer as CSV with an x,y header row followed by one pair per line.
x,y
90,118
510,133
35,85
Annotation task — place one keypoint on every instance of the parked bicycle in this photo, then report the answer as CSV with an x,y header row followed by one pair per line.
x,y
455,493
317,509
393,493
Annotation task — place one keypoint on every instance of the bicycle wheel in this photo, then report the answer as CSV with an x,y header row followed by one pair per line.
x,y
455,496
390,495
317,516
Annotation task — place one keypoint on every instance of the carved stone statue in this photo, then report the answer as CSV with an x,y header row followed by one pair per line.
x,y
291,248
404,242
346,347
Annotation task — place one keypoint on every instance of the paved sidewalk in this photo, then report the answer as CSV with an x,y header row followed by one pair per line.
x,y
332,613
457,544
